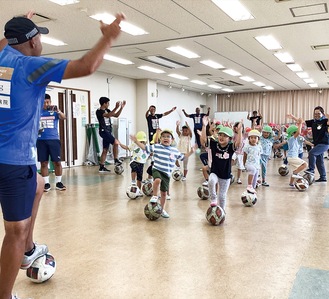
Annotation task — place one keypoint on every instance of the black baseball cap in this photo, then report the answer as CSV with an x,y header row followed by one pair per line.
x,y
20,29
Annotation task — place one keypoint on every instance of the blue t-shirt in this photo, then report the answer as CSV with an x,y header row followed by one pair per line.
x,y
49,120
23,84
197,119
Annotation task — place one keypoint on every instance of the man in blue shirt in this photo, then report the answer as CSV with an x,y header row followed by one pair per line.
x,y
49,144
24,78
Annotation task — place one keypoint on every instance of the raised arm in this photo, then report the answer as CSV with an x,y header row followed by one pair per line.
x,y
177,128
139,144
186,115
208,111
203,136
169,111
89,62
238,140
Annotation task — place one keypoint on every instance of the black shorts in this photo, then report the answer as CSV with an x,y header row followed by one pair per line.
x,y
108,139
138,168
46,148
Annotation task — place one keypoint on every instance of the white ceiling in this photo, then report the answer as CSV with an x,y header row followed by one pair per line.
x,y
201,27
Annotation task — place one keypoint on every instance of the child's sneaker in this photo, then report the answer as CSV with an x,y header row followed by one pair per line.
x,y
168,197
250,189
292,186
154,199
265,184
205,183
183,178
213,203
296,176
239,181
164,214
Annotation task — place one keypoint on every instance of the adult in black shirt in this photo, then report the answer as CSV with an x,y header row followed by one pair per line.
x,y
255,118
152,119
105,130
320,127
197,120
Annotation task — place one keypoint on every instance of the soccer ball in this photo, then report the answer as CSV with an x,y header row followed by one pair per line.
x,y
215,215
42,269
153,211
132,192
203,192
147,189
278,154
232,179
309,178
118,169
177,175
283,170
301,184
248,199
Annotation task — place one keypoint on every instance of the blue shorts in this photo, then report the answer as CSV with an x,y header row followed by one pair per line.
x,y
18,185
204,158
46,148
108,139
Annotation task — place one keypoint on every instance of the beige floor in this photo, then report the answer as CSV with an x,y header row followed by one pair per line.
x,y
106,248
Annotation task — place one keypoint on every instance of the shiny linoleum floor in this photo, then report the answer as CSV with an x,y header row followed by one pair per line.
x,y
105,247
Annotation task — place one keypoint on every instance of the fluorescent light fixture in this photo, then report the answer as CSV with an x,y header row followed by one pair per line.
x,y
180,77
308,80
151,69
313,85
199,82
234,9
52,41
302,75
246,78
268,87
182,51
163,61
212,64
294,67
117,59
125,26
228,89
284,57
65,2
232,72
214,86
260,84
269,42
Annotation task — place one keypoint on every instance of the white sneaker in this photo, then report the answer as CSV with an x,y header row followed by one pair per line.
x,y
205,183
250,189
183,178
164,214
39,250
168,197
296,176
239,181
154,199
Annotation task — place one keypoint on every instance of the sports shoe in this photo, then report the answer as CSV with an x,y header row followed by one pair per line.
x,y
296,176
213,203
168,197
103,169
117,163
183,178
39,250
320,180
154,199
60,186
164,214
250,189
265,184
46,187
292,186
205,183
239,181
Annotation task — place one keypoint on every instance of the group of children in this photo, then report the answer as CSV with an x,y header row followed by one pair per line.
x,y
225,145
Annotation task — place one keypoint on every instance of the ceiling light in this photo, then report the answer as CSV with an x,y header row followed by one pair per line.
x,y
313,85
160,60
151,69
125,26
65,2
308,80
268,87
302,75
260,84
214,86
228,89
52,41
117,59
294,67
269,42
232,72
169,86
183,89
184,52
246,78
178,76
234,9
199,82
284,57
212,64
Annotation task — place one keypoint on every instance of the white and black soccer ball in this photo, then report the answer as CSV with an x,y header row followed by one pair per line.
x,y
248,199
203,192
42,269
301,184
132,191
283,170
309,177
215,215
153,211
177,175
147,189
118,169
